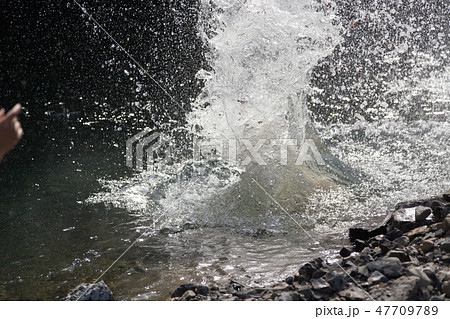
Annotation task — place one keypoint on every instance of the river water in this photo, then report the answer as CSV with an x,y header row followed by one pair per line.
x,y
365,87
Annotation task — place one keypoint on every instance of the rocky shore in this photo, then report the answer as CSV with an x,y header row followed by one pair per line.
x,y
405,258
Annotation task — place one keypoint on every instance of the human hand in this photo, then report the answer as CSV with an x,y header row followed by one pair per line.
x,y
10,130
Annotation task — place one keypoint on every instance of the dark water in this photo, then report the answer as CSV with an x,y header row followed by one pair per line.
x,y
84,98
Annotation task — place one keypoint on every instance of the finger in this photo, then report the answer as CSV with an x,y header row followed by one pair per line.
x,y
14,112
2,113
19,133
17,126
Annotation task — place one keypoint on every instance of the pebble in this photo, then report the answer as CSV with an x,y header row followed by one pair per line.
x,y
446,288
427,245
402,241
376,278
391,267
422,213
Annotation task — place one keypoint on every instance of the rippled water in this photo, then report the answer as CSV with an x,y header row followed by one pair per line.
x,y
270,69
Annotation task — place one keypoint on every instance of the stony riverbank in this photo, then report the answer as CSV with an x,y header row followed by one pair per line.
x,y
406,258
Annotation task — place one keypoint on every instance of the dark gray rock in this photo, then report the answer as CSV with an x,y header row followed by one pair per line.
x,y
386,245
446,288
398,253
425,281
400,289
416,232
391,267
446,224
338,283
402,241
445,245
320,285
376,278
345,252
393,234
359,245
90,292
188,295
403,219
197,289
422,213
354,293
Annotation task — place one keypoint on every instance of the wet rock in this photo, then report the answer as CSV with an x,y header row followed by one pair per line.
x,y
365,234
285,296
422,213
376,278
427,245
338,283
306,271
281,286
91,292
197,289
359,245
446,196
446,288
188,295
320,285
393,234
400,254
403,288
446,224
386,245
445,245
440,210
289,280
402,241
345,252
391,267
318,274
425,281
354,293
419,231
403,219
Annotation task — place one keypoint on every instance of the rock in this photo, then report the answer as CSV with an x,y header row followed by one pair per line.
x,y
198,289
285,296
400,254
394,233
440,210
445,245
320,285
354,293
386,245
403,219
289,280
359,245
402,241
338,283
400,289
345,252
391,267
307,270
446,224
188,295
281,286
245,294
446,196
376,278
365,234
422,213
427,245
419,231
425,281
91,292
446,288
318,274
